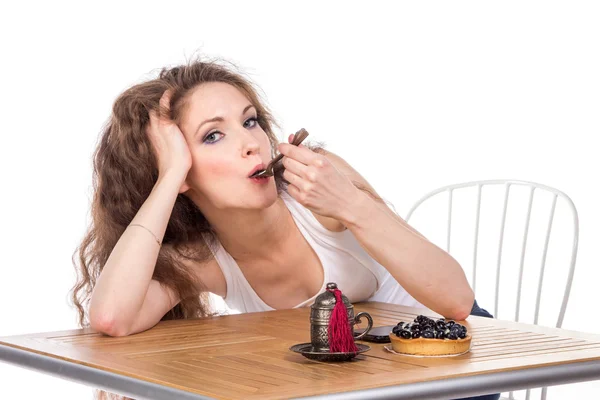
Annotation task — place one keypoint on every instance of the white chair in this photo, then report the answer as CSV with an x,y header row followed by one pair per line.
x,y
527,191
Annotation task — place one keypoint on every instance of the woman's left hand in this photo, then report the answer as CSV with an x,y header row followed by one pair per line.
x,y
316,183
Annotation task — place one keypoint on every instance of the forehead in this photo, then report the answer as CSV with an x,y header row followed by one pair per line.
x,y
213,99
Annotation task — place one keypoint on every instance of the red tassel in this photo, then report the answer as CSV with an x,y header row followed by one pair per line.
x,y
340,330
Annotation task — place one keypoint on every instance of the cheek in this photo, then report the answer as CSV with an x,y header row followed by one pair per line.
x,y
265,144
209,172
218,168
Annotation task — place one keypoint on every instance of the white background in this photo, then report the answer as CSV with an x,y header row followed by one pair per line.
x,y
414,96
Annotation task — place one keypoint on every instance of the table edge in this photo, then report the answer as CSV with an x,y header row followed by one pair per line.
x,y
434,389
479,384
97,378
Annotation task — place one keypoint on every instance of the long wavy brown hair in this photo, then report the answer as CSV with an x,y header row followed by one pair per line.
x,y
124,173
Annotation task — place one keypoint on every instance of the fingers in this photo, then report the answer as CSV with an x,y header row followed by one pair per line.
x,y
165,99
293,178
165,105
162,115
151,127
301,154
296,193
295,167
298,187
153,117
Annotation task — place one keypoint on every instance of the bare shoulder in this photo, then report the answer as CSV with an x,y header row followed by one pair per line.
x,y
207,272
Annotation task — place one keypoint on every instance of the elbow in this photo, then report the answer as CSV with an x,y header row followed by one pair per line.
x,y
461,314
464,298
107,324
463,309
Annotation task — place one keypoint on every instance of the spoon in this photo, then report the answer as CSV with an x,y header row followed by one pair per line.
x,y
298,138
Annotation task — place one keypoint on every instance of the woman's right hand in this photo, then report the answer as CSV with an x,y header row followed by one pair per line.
x,y
170,146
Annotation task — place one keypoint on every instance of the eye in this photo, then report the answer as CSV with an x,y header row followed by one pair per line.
x,y
212,137
251,122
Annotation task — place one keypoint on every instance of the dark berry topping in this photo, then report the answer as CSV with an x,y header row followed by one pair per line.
x,y
428,328
428,334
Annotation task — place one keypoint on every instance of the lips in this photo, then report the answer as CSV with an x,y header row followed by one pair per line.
x,y
258,167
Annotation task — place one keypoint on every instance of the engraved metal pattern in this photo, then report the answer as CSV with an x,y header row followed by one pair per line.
x,y
320,314
319,324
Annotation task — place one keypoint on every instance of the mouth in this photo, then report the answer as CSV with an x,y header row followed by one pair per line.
x,y
258,167
258,179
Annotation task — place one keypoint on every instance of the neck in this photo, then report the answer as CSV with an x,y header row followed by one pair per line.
x,y
254,234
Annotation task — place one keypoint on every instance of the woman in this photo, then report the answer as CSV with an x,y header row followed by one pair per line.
x,y
175,216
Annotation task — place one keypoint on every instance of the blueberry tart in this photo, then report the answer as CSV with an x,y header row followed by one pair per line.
x,y
428,337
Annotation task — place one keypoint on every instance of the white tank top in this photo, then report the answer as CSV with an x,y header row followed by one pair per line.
x,y
344,262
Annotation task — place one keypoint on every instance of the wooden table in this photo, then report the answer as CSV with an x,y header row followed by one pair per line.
x,y
246,356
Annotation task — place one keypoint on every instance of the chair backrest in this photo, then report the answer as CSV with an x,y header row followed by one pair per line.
x,y
451,191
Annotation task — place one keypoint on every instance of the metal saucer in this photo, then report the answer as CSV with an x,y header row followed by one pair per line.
x,y
307,351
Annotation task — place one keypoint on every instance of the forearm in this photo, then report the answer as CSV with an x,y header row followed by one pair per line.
x,y
423,269
380,203
123,283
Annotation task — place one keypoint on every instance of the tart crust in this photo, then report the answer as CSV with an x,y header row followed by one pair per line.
x,y
430,347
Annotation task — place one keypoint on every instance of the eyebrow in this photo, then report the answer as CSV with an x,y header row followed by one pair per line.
x,y
215,119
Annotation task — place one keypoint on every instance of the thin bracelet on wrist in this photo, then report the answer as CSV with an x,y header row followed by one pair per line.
x,y
152,233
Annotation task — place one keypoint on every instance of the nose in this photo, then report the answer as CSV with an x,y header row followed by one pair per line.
x,y
250,145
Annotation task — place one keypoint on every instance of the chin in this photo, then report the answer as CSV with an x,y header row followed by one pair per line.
x,y
237,197
251,199
261,188
265,199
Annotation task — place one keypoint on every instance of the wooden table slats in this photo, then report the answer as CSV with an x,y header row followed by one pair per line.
x,y
247,356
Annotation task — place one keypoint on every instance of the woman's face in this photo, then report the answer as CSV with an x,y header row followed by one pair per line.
x,y
227,146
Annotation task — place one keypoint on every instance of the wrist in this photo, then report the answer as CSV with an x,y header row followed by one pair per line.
x,y
358,210
172,175
171,180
